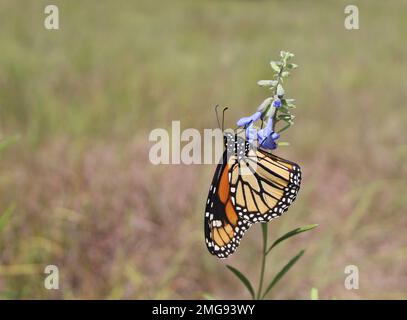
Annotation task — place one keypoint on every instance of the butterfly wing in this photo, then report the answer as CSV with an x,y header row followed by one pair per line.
x,y
263,185
223,226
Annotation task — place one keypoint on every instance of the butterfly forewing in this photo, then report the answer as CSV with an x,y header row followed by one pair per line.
x,y
223,226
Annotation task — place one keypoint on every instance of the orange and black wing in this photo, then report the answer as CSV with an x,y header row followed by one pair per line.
x,y
223,226
263,185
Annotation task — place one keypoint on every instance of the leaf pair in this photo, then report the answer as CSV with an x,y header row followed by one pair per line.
x,y
245,281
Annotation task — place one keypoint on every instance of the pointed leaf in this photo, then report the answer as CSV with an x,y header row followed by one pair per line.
x,y
243,279
292,65
291,234
275,66
267,83
289,102
283,109
282,272
285,116
280,90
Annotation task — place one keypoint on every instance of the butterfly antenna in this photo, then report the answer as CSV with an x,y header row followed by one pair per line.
x,y
217,116
223,117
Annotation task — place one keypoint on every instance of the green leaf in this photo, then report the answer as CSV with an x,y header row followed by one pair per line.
x,y
314,294
292,66
275,65
291,234
267,83
5,217
289,102
282,272
284,110
288,121
285,74
285,117
285,55
280,90
243,279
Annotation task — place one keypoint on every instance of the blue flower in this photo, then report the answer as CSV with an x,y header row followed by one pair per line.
x,y
267,130
269,142
247,120
277,103
251,133
267,137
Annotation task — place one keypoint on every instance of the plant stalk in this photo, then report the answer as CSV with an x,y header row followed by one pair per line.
x,y
263,262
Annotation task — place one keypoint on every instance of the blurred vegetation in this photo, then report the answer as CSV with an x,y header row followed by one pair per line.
x,y
84,98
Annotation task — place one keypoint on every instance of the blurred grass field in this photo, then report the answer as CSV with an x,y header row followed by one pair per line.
x,y
82,100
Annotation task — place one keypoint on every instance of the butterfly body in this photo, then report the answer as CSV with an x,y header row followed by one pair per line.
x,y
249,185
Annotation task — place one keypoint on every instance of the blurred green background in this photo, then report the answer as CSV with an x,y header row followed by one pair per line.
x,y
81,101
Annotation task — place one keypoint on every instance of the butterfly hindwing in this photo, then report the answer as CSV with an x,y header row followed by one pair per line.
x,y
249,185
263,185
223,226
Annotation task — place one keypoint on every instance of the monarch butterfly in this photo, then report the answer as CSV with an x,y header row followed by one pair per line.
x,y
249,185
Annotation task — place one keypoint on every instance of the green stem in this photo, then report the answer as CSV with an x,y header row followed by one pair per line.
x,y
263,262
275,92
265,111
